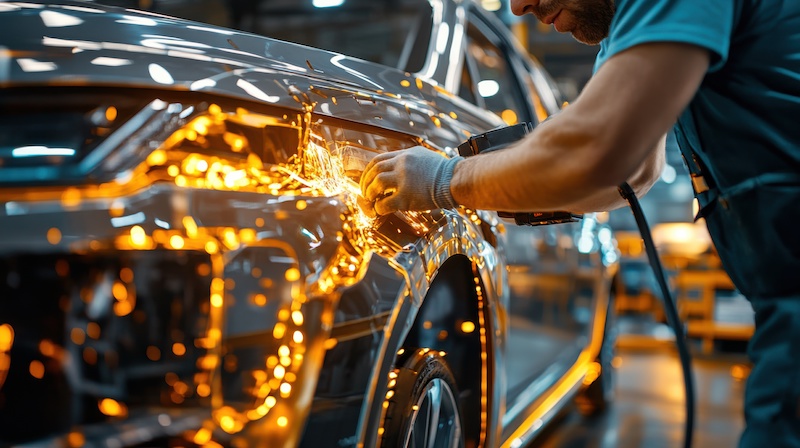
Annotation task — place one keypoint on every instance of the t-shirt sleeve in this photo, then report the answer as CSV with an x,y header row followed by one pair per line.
x,y
705,23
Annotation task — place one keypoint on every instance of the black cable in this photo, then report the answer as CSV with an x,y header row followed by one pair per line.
x,y
669,308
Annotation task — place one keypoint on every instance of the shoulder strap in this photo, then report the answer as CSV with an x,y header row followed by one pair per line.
x,y
705,188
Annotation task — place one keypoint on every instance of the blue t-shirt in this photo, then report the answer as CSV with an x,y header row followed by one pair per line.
x,y
745,118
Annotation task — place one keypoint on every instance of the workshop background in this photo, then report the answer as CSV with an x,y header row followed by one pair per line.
x,y
648,411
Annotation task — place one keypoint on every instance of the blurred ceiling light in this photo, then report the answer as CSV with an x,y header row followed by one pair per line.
x,y
488,88
669,174
41,151
32,65
441,38
160,74
604,235
55,19
327,3
491,5
111,62
585,244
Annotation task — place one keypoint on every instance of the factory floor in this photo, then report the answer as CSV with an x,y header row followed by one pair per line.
x,y
649,408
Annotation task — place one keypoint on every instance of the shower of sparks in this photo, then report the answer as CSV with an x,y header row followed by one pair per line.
x,y
325,170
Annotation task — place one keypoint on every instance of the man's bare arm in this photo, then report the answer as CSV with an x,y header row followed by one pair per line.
x,y
607,136
642,180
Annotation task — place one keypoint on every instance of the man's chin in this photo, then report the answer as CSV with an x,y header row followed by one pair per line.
x,y
587,42
583,38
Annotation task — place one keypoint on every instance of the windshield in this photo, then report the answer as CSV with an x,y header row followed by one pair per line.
x,y
45,137
394,33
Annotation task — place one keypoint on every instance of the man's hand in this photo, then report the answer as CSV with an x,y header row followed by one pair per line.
x,y
412,179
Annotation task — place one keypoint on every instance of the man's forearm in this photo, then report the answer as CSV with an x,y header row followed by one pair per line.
x,y
546,189
558,165
641,182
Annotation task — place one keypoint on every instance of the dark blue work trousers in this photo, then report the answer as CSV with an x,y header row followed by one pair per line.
x,y
757,234
772,395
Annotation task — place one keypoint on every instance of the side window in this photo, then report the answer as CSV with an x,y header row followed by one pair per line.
x,y
493,81
467,87
549,97
540,102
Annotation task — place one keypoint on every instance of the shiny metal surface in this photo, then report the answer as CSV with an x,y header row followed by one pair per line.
x,y
242,163
152,51
436,421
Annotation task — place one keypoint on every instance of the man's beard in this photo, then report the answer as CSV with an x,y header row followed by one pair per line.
x,y
594,22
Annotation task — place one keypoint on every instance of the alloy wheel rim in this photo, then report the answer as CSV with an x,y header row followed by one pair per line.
x,y
435,422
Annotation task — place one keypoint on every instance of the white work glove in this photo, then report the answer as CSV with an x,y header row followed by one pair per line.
x,y
416,179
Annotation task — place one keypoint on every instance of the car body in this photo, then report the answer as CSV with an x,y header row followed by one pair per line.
x,y
185,259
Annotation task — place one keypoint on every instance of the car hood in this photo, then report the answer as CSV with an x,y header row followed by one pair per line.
x,y
83,43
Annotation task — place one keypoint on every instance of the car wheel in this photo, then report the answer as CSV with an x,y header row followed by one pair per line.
x,y
599,394
423,408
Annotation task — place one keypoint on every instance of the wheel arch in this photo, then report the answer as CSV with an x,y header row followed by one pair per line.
x,y
453,320
454,274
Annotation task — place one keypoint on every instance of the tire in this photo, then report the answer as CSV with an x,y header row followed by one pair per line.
x,y
599,395
423,410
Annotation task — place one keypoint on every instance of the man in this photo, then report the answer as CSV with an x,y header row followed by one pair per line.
x,y
726,73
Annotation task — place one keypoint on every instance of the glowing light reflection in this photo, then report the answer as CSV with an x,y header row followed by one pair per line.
x,y
134,20
41,151
33,66
6,342
160,74
255,92
327,3
125,221
111,62
488,88
442,37
55,19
